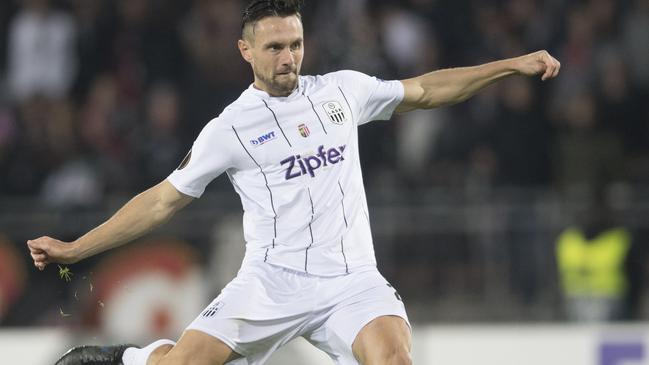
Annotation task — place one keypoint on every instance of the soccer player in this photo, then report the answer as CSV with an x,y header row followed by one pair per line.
x,y
289,145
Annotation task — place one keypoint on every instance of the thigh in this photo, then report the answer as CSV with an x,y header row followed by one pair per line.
x,y
198,348
258,312
365,298
383,338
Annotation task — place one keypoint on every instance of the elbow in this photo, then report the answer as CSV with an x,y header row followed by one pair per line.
x,y
164,201
162,213
164,210
461,98
158,209
455,99
159,213
442,98
429,102
440,103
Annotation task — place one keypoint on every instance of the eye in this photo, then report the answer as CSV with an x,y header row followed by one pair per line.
x,y
296,46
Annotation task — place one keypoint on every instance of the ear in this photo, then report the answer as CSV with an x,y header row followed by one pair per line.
x,y
245,49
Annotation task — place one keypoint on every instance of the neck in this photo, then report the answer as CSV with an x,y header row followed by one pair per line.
x,y
259,85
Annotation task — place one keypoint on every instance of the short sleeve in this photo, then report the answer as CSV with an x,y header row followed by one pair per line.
x,y
376,99
210,155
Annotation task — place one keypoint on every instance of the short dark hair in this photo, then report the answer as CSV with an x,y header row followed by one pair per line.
x,y
259,9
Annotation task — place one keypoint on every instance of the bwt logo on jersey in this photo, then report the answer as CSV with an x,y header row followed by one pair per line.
x,y
263,139
298,166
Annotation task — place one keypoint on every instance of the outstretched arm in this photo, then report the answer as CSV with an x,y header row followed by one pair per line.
x,y
451,86
137,217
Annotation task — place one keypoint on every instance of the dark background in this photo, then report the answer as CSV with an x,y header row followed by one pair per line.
x,y
101,99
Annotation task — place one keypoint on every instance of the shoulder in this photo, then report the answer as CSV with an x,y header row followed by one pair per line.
x,y
224,121
233,111
344,76
336,77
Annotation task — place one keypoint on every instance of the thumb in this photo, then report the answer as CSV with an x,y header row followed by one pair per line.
x,y
37,244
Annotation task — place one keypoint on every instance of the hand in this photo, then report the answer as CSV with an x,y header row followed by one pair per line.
x,y
540,62
47,250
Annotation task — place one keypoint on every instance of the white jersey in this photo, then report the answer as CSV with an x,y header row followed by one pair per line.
x,y
295,164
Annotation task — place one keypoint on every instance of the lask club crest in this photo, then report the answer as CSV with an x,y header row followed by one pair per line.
x,y
304,130
335,112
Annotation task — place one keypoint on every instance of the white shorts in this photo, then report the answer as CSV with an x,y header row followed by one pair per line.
x,y
267,306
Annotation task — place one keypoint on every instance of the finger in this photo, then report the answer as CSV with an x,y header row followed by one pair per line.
x,y
39,257
539,69
41,266
35,244
36,250
547,73
550,70
39,245
558,67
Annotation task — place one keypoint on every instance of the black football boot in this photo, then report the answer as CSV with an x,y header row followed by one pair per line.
x,y
94,355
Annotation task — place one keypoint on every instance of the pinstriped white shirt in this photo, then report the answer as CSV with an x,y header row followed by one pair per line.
x,y
294,162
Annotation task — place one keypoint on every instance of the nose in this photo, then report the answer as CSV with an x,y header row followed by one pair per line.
x,y
287,57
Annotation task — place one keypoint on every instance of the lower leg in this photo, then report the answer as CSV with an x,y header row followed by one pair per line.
x,y
158,354
194,348
149,355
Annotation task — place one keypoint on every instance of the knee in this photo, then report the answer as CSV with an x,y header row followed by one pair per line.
x,y
180,357
399,355
158,354
172,360
175,358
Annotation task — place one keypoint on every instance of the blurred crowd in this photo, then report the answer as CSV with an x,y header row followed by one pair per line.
x,y
100,97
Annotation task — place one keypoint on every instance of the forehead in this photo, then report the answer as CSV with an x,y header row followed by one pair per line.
x,y
278,29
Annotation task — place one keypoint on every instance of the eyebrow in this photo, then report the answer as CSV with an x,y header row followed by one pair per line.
x,y
281,44
273,44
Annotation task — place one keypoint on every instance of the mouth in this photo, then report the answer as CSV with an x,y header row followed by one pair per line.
x,y
285,73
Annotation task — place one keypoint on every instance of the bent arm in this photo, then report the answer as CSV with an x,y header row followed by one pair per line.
x,y
451,86
140,215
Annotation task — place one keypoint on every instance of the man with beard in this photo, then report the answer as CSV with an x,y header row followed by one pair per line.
x,y
289,145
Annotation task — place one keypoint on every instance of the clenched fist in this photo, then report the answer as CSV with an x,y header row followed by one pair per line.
x,y
46,250
536,63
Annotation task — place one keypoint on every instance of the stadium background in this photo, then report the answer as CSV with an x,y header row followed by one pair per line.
x,y
101,99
